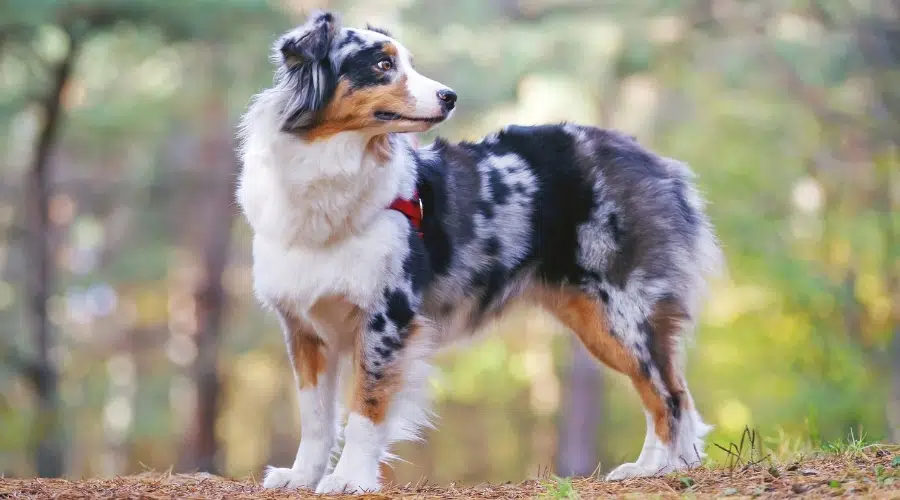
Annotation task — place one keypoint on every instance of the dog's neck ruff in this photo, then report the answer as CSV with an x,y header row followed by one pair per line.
x,y
412,209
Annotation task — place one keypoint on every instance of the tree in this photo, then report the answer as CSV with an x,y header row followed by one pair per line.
x,y
78,22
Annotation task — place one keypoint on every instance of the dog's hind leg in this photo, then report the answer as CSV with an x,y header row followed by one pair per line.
x,y
315,369
647,353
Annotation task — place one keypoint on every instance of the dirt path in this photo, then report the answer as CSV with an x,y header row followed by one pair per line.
x,y
872,473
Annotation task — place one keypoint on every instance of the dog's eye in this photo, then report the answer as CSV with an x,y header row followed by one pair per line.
x,y
385,64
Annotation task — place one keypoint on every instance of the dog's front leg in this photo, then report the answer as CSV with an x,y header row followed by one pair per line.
x,y
384,365
315,369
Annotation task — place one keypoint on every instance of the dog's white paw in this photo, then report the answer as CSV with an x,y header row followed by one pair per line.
x,y
630,470
281,477
334,483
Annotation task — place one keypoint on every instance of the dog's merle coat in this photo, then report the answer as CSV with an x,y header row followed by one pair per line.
x,y
607,236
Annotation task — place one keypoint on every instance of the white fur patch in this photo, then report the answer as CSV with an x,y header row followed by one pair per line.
x,y
656,458
357,470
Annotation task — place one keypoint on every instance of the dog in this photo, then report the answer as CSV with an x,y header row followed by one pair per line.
x,y
374,253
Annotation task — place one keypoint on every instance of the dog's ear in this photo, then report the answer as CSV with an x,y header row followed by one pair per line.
x,y
310,42
378,30
307,70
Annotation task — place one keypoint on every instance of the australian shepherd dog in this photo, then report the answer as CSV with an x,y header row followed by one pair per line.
x,y
373,250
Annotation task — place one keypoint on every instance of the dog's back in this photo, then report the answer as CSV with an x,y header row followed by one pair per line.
x,y
562,205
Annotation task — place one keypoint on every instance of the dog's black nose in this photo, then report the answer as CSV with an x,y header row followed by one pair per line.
x,y
447,97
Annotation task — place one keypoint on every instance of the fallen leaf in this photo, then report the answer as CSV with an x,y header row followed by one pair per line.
x,y
686,481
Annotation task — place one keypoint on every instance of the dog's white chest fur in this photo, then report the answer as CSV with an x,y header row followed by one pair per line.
x,y
318,213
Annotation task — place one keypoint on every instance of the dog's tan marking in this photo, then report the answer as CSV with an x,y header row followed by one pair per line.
x,y
354,109
666,321
306,349
585,316
390,49
372,396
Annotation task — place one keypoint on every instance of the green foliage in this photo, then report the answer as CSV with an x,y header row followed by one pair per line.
x,y
851,446
196,19
559,488
686,481
884,476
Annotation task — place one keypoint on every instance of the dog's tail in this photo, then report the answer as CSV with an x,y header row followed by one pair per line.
x,y
707,257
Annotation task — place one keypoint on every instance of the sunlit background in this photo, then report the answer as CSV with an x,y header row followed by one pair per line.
x,y
128,323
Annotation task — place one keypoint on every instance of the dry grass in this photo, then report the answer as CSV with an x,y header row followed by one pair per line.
x,y
868,472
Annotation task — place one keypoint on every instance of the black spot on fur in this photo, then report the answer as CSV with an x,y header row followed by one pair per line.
x,y
687,213
674,403
645,329
370,401
494,284
492,246
486,209
623,262
384,353
415,267
391,343
377,375
433,192
604,296
614,227
398,309
351,37
589,277
645,368
499,189
480,279
377,323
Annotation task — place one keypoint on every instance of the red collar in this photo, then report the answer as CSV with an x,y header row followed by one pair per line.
x,y
412,209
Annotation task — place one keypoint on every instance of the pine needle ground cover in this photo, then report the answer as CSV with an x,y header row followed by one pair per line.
x,y
846,470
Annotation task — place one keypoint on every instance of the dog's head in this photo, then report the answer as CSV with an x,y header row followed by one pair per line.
x,y
343,79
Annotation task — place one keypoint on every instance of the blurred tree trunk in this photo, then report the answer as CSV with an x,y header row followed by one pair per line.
x,y
580,414
41,277
218,168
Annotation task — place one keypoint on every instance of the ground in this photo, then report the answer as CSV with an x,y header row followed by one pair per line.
x,y
870,472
